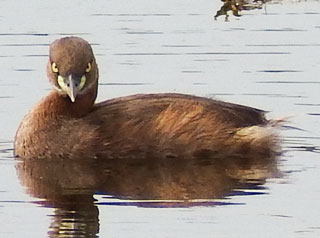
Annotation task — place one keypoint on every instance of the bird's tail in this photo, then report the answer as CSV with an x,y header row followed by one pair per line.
x,y
263,140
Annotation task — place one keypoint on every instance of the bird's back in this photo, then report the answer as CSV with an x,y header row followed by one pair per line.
x,y
165,125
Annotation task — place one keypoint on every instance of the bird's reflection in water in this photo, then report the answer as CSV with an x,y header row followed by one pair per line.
x,y
69,185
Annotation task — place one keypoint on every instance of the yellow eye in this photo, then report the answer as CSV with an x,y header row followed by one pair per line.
x,y
54,68
88,67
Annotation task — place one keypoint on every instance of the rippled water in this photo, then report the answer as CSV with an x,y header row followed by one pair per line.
x,y
267,58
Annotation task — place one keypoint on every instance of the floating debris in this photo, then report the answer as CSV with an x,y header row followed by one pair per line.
x,y
236,6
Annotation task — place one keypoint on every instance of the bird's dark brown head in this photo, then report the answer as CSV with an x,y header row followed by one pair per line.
x,y
72,68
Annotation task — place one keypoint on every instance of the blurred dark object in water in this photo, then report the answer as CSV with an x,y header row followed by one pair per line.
x,y
236,6
151,178
229,5
69,185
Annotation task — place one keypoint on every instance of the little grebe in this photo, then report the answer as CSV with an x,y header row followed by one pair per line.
x,y
67,123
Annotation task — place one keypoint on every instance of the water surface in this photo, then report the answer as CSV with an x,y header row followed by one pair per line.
x,y
269,61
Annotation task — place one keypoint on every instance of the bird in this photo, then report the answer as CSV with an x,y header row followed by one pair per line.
x,y
68,124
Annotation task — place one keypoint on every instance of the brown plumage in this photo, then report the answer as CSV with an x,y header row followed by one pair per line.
x,y
139,126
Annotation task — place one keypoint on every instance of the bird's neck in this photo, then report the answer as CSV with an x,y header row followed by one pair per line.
x,y
57,105
40,125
